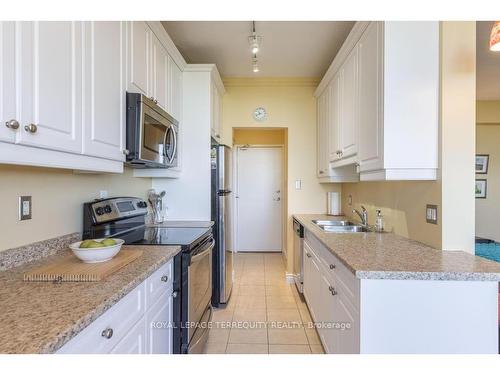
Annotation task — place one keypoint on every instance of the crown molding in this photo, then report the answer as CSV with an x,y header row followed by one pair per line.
x,y
271,82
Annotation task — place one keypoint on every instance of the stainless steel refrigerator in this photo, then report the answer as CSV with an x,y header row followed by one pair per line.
x,y
222,211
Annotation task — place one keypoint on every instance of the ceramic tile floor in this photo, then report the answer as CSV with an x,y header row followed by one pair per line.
x,y
265,314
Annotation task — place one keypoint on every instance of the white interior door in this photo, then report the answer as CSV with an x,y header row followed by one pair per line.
x,y
258,199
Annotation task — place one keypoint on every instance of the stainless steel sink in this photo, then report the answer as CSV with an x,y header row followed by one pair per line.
x,y
343,228
340,226
333,222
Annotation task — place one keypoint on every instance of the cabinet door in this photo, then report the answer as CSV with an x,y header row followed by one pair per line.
x,y
160,74
370,99
51,85
175,91
349,105
8,89
214,103
159,322
311,282
104,89
347,339
134,342
322,134
139,51
326,314
333,119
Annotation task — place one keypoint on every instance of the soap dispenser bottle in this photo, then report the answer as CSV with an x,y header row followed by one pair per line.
x,y
379,222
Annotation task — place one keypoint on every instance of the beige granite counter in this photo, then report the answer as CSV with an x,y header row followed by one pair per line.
x,y
388,256
40,317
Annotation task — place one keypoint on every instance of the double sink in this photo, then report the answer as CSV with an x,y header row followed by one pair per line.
x,y
340,226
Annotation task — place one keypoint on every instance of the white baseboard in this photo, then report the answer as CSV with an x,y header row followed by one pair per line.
x,y
290,279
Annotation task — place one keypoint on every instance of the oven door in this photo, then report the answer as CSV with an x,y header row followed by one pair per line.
x,y
153,136
199,290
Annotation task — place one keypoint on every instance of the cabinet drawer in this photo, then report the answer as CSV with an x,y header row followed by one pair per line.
x,y
159,282
342,278
120,319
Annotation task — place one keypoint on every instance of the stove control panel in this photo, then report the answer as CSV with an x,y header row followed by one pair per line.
x,y
112,209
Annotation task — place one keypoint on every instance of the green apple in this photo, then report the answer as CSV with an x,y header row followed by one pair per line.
x,y
108,242
86,244
95,244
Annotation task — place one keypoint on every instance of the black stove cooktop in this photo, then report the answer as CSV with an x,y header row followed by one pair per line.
x,y
144,235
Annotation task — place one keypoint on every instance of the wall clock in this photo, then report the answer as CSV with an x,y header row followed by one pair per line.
x,y
259,114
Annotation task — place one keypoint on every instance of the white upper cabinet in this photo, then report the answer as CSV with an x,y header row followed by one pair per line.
x,y
349,106
160,74
370,99
140,67
175,90
216,104
333,118
50,90
322,135
9,122
104,89
388,95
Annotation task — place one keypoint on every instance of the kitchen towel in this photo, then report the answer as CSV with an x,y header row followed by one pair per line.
x,y
333,203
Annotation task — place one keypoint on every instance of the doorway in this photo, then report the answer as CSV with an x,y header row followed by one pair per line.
x,y
260,194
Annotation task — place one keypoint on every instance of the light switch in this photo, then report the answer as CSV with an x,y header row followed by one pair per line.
x,y
298,184
431,214
25,207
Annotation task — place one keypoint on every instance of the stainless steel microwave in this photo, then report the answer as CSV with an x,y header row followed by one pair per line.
x,y
152,134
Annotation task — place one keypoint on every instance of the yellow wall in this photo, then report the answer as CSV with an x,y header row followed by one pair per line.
x,y
488,112
290,104
488,210
57,196
264,136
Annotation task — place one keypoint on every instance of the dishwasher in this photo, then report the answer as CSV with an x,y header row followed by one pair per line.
x,y
298,253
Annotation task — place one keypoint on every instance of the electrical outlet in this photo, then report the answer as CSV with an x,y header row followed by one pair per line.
x,y
431,214
298,184
25,207
349,200
103,194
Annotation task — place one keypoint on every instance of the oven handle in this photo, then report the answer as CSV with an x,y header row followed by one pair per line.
x,y
165,145
175,144
203,253
206,332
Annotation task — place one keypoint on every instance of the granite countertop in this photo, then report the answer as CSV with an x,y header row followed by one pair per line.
x,y
389,256
40,317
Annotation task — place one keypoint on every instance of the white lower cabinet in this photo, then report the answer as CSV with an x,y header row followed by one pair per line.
x,y
141,322
330,299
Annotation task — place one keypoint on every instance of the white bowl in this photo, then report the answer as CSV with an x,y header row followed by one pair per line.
x,y
96,254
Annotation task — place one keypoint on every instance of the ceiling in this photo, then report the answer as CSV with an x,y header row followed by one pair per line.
x,y
289,49
487,64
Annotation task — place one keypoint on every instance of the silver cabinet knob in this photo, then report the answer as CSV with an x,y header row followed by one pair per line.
x,y
31,128
321,172
332,266
125,151
107,333
217,135
174,294
12,124
332,290
308,255
164,278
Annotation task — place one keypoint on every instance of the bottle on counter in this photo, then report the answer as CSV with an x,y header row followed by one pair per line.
x,y
379,222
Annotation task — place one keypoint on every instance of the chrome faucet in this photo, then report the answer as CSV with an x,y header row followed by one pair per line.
x,y
363,215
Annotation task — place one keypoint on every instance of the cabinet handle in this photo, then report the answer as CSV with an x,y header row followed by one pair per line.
x,y
125,151
332,290
332,266
12,124
217,135
321,172
107,333
174,294
308,255
31,128
164,278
